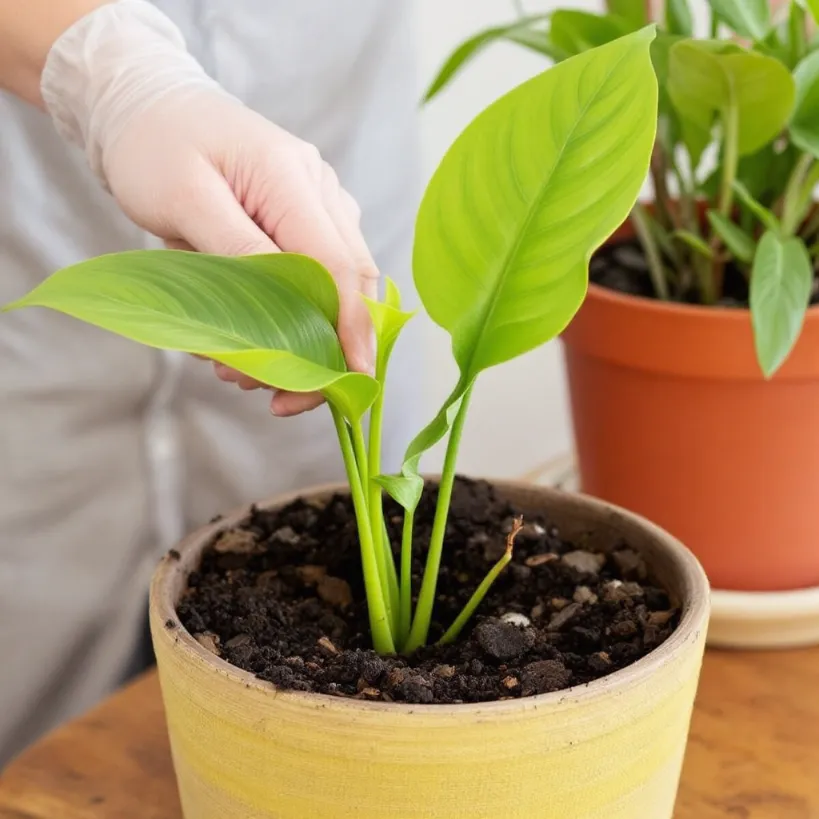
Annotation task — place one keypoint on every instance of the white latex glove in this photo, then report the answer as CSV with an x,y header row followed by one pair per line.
x,y
191,164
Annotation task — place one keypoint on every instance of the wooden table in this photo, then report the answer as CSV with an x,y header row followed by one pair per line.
x,y
754,751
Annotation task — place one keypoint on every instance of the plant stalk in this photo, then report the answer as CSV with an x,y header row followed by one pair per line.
x,y
380,620
462,619
405,619
426,597
793,200
730,165
642,227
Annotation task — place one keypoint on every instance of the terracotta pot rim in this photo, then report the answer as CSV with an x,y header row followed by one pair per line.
x,y
695,613
737,315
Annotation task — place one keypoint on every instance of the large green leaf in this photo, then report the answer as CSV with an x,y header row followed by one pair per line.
x,y
781,282
634,12
529,190
748,18
577,31
523,32
271,316
678,18
708,77
804,124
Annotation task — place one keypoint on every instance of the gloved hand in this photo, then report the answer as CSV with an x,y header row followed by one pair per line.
x,y
191,164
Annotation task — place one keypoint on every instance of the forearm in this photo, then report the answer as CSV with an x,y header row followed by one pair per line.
x,y
27,32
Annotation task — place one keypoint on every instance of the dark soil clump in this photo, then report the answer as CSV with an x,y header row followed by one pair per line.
x,y
281,596
623,267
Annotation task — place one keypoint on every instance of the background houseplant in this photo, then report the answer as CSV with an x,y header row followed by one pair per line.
x,y
503,241
686,407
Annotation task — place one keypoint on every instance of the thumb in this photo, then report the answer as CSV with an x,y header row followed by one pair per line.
x,y
213,221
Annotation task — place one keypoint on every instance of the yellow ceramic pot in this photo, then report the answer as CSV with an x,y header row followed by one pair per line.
x,y
609,750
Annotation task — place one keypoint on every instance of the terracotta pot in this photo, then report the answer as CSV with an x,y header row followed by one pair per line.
x,y
674,420
609,750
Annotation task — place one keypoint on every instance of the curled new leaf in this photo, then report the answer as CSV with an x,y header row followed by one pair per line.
x,y
271,317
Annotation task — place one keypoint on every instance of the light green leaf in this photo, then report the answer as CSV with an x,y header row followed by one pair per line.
x,y
520,31
528,191
706,78
525,195
678,18
694,242
804,126
812,6
781,282
762,213
406,488
748,18
634,12
271,317
578,31
741,245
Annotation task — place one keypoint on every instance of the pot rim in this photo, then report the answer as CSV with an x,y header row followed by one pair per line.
x,y
695,616
734,314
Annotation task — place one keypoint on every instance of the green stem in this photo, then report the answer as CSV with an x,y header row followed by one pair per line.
x,y
392,578
405,620
730,164
376,604
642,227
793,201
462,619
426,597
375,496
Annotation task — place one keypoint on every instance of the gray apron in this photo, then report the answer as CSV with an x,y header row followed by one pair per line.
x,y
109,451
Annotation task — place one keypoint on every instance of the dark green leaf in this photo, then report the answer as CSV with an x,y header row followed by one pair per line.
x,y
634,12
678,18
707,77
521,31
748,18
577,31
781,282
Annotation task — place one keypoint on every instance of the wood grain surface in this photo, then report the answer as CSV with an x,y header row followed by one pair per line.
x,y
753,754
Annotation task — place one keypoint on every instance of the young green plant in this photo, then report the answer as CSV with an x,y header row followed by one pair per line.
x,y
504,235
748,104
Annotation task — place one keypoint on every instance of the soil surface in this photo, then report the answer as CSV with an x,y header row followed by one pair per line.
x,y
623,267
282,597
